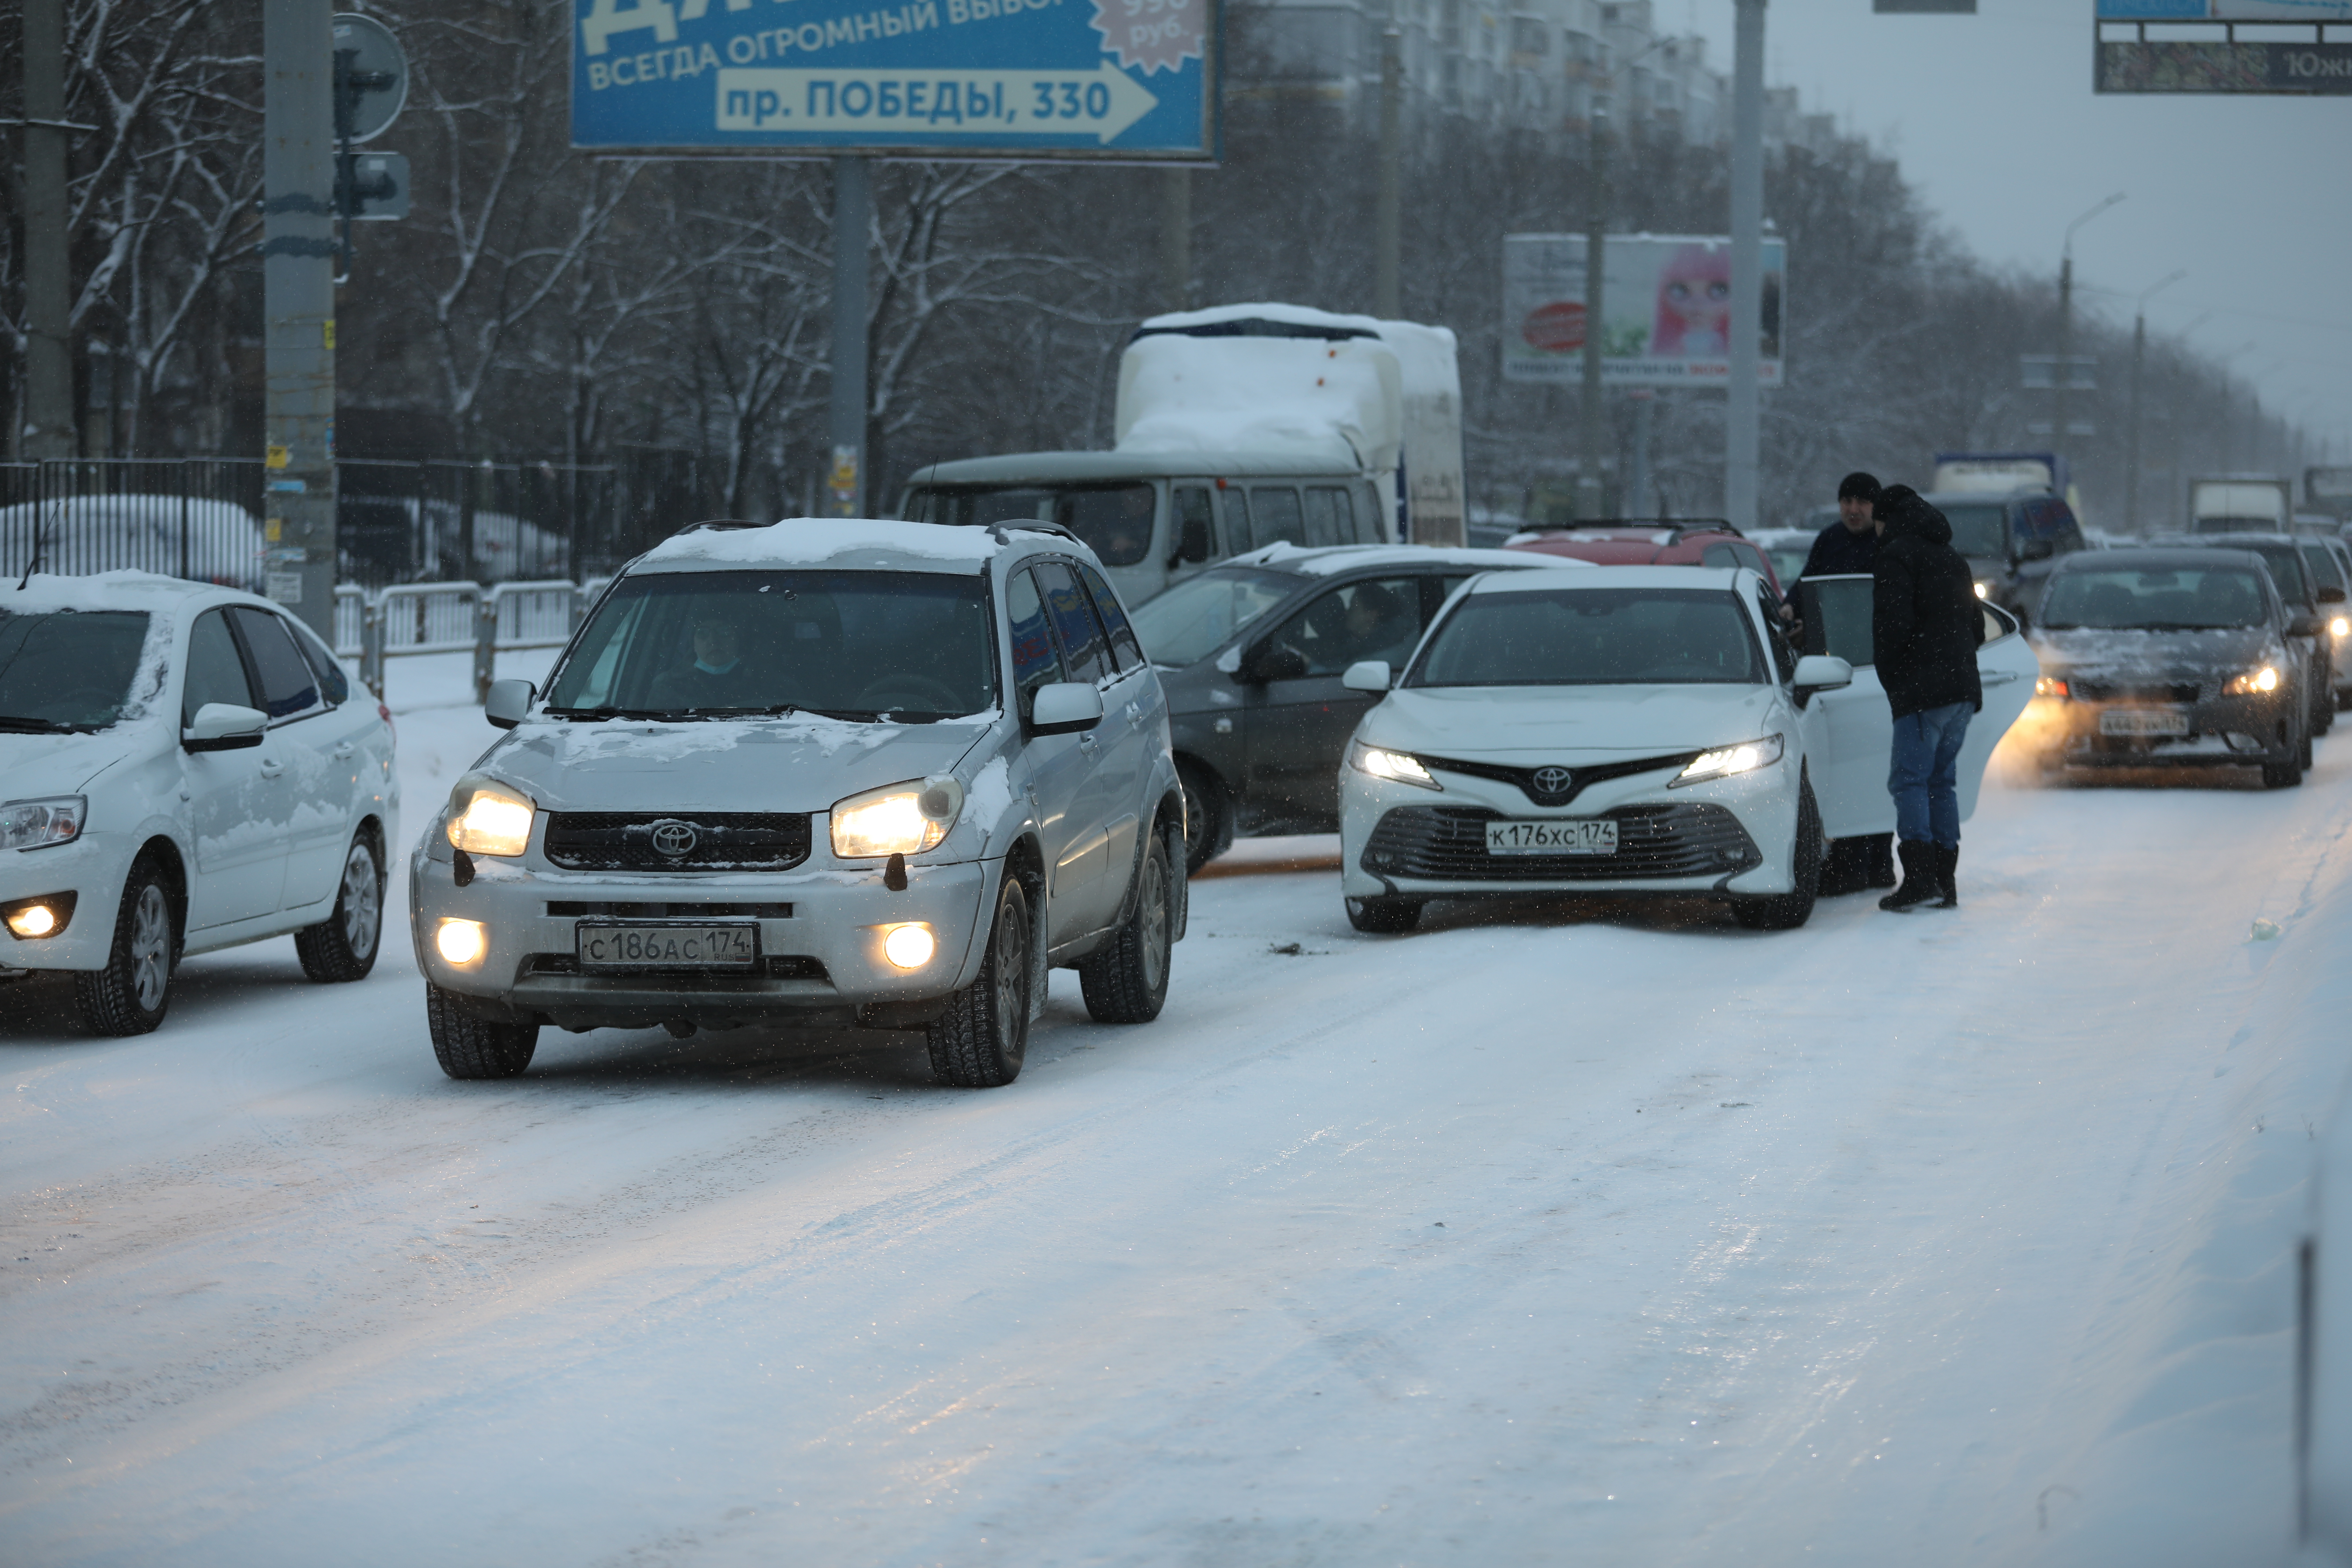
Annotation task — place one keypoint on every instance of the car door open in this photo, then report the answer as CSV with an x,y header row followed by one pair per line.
x,y
2007,667
1858,727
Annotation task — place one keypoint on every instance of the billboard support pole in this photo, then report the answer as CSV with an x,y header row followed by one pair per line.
x,y
2139,355
1743,416
1386,291
298,289
853,214
1637,489
1176,239
1590,500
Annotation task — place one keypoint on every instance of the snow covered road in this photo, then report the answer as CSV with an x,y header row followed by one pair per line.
x,y
1602,1232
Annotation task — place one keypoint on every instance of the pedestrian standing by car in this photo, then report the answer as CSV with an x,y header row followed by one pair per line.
x,y
1849,545
1926,628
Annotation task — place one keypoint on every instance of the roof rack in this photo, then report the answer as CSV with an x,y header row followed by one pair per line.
x,y
717,525
1677,526
1030,525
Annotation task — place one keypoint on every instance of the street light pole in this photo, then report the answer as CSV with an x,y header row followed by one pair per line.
x,y
2139,354
1388,262
1743,412
2066,323
1590,502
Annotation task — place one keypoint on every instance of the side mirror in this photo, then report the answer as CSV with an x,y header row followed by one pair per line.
x,y
2331,594
1274,661
1367,675
2036,549
1821,672
1065,708
2303,624
224,727
508,701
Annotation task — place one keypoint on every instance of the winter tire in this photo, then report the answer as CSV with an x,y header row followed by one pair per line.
x,y
343,945
2284,775
1383,917
471,1048
979,1041
1208,815
1126,980
132,993
1787,911
2303,757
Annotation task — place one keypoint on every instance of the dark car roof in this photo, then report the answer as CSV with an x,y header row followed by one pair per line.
x,y
2147,555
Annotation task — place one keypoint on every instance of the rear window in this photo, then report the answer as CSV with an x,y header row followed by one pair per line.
x,y
1593,636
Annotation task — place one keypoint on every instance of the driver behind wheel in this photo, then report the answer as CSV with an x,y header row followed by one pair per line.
x,y
716,675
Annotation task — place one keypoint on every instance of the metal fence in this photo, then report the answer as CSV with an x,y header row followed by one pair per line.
x,y
396,522
412,618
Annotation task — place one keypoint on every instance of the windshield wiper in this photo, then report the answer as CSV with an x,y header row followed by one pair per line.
x,y
17,724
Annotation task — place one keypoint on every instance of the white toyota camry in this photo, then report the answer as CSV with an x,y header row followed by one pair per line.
x,y
1640,729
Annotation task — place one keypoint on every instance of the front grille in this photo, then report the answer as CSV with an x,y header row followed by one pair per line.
x,y
1531,781
2114,692
1448,843
721,840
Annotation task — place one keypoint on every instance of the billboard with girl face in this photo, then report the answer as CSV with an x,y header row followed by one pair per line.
x,y
1666,308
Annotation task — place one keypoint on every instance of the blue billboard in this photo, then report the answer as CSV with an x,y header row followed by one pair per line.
x,y
1122,79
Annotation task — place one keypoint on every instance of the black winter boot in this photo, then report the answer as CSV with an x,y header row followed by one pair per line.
x,y
1920,882
1947,865
1881,859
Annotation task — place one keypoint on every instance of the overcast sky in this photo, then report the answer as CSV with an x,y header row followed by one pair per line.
x,y
1995,124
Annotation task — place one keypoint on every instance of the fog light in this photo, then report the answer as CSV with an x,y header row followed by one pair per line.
x,y
909,947
462,941
33,920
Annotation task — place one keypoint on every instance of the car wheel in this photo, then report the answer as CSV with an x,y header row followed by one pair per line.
x,y
2303,756
1383,917
471,1048
132,993
979,1041
1208,815
1126,981
1787,911
343,945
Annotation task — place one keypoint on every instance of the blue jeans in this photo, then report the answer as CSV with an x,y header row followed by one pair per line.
x,y
1924,777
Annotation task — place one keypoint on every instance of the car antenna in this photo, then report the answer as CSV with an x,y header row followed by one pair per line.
x,y
40,539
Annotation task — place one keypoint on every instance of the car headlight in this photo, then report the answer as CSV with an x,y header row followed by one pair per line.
x,y
1984,589
2254,683
1743,758
37,823
2051,685
1397,767
897,819
491,819
2339,626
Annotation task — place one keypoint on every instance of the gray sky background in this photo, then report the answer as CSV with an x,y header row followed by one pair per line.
x,y
1995,125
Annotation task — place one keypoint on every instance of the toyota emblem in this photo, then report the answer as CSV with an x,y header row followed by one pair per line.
x,y
1554,781
674,838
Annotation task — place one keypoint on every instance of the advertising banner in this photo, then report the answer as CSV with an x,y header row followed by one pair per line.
x,y
1130,80
1666,304
2225,10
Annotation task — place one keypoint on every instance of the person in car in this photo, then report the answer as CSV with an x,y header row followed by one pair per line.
x,y
1926,628
1380,625
1851,543
716,677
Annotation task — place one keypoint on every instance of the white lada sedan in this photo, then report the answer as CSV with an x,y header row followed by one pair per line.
x,y
1639,728
182,768
835,772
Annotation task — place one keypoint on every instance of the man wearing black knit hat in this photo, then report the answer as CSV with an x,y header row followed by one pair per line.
x,y
1851,543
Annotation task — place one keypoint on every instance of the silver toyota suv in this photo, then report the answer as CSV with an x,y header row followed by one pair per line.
x,y
830,772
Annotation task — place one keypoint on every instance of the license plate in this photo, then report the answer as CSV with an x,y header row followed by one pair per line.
x,y
1574,836
667,946
2144,721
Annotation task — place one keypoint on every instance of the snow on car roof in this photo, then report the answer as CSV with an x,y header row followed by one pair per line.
x,y
1323,560
121,590
1621,577
845,543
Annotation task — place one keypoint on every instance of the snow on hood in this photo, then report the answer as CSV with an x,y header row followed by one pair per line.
x,y
798,764
2093,652
859,544
1594,722
64,765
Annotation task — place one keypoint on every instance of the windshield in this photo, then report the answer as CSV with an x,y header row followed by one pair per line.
x,y
2164,599
2286,567
909,646
1191,620
68,669
2321,563
1593,636
1976,530
1114,520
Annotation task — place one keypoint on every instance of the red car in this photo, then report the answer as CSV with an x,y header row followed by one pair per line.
x,y
1689,541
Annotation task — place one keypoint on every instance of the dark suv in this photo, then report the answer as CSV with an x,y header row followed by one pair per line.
x,y
2011,542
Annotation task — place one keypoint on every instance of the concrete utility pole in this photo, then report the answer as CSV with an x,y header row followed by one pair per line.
x,y
1388,285
298,286
2065,373
1743,414
853,214
2140,354
1637,490
46,428
1176,239
1592,498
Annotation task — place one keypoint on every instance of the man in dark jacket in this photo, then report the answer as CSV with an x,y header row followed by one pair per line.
x,y
1926,628
1851,543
